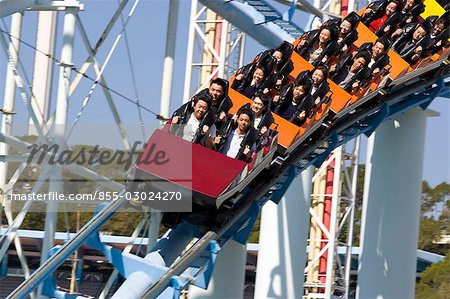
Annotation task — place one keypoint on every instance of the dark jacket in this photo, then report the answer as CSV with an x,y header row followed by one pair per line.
x,y
392,22
433,46
405,46
378,8
360,77
244,86
321,90
250,139
266,117
285,67
342,70
330,49
352,36
381,62
286,109
412,15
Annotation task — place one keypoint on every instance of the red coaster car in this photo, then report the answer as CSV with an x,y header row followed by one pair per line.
x,y
193,170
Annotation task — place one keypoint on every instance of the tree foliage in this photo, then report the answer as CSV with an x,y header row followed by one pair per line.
x,y
434,218
435,281
431,197
123,223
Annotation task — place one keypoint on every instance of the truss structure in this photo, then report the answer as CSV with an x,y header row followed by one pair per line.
x,y
215,49
16,79
332,215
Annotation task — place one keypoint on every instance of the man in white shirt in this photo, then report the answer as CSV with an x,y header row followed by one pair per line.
x,y
240,143
194,122
379,54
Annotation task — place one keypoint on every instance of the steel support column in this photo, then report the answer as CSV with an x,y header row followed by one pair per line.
x,y
332,216
9,97
228,276
169,58
55,183
43,68
220,46
391,208
283,234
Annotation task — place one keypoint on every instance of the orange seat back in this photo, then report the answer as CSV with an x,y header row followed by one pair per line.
x,y
287,131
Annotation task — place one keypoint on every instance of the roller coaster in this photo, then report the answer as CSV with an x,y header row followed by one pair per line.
x,y
227,208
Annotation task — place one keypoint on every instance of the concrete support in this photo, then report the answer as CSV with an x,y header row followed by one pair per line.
x,y
169,57
228,276
280,269
43,68
390,219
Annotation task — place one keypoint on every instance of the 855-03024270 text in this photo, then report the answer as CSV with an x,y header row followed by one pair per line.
x,y
97,195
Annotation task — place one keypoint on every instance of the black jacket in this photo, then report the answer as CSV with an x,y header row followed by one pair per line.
x,y
343,68
392,22
404,45
330,49
433,46
321,90
286,66
352,36
286,98
244,86
266,117
411,15
250,139
381,62
378,8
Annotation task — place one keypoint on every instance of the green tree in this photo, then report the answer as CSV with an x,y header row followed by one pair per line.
x,y
431,197
445,217
434,218
435,281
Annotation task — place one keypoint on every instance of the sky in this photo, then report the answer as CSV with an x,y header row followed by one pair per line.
x,y
146,35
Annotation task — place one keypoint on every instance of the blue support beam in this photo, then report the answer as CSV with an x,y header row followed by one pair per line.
x,y
241,236
4,266
202,280
258,19
46,270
